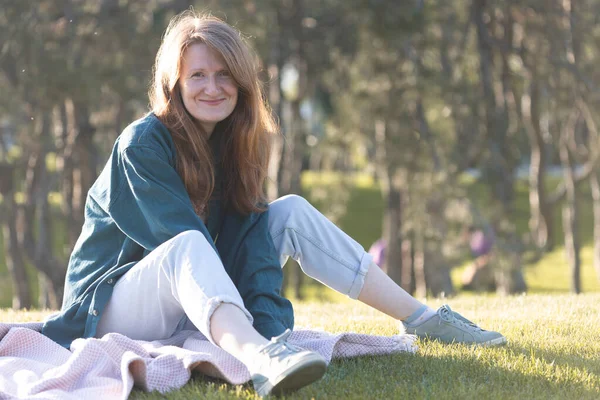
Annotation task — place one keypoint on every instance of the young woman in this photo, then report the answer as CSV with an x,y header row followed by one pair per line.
x,y
178,234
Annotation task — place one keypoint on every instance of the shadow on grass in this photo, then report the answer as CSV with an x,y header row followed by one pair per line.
x,y
488,376
505,373
567,359
200,387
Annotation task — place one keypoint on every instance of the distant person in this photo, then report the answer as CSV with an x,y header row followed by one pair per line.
x,y
178,233
378,250
479,276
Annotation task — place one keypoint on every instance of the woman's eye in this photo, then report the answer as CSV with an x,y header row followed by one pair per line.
x,y
197,75
224,73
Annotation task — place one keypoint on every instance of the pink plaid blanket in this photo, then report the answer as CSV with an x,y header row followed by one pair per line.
x,y
34,367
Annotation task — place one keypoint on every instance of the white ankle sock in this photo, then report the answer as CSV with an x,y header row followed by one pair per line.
x,y
421,315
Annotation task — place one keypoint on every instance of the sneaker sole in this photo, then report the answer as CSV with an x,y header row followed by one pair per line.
x,y
490,343
296,377
494,342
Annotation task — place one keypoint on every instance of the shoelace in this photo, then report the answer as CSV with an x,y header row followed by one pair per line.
x,y
279,345
447,315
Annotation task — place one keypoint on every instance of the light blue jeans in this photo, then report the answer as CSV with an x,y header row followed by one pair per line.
x,y
323,251
182,282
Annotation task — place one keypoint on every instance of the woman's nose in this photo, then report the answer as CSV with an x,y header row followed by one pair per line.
x,y
212,86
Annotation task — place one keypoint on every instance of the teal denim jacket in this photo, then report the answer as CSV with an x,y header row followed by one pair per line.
x,y
139,202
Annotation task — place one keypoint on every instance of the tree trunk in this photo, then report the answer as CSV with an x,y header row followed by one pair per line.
x,y
500,166
392,214
595,187
85,169
77,159
290,184
290,20
295,140
12,251
45,298
53,271
508,273
392,235
408,272
419,266
437,270
540,222
529,113
276,156
496,117
276,101
66,155
572,245
37,221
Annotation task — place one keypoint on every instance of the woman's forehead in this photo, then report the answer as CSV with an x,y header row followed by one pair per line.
x,y
199,56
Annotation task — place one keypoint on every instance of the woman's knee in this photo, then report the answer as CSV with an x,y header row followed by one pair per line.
x,y
194,245
289,205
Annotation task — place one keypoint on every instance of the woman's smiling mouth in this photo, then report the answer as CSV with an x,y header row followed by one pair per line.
x,y
213,102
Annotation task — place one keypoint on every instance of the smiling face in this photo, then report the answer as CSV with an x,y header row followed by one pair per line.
x,y
208,90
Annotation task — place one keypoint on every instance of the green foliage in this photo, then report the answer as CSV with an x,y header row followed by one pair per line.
x,y
411,72
353,202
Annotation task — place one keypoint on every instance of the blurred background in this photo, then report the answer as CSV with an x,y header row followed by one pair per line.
x,y
456,140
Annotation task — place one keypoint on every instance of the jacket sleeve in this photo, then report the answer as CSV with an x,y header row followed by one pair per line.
x,y
150,203
259,279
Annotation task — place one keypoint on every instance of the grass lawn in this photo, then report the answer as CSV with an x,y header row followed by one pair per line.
x,y
552,354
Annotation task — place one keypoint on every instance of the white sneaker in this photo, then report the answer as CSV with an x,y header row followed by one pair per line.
x,y
448,326
282,367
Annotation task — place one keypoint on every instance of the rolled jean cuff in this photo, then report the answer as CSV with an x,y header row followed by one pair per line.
x,y
359,278
210,307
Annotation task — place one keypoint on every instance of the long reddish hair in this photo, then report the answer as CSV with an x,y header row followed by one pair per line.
x,y
246,132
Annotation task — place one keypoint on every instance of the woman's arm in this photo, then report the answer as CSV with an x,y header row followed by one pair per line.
x,y
149,202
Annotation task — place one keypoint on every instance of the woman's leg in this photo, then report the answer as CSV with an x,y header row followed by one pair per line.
x,y
232,331
329,255
184,279
383,294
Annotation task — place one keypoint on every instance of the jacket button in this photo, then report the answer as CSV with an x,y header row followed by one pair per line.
x,y
110,281
95,313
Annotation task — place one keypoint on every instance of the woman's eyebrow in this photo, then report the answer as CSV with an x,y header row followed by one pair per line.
x,y
220,69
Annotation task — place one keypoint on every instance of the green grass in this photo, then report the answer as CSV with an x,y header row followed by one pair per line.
x,y
552,354
551,273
